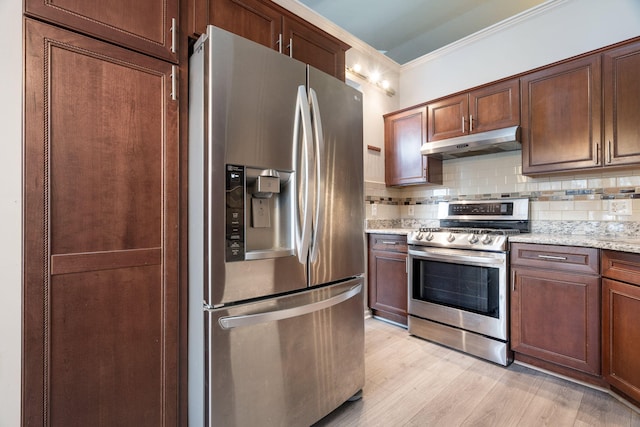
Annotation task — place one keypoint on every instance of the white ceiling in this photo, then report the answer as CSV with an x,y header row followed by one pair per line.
x,y
407,29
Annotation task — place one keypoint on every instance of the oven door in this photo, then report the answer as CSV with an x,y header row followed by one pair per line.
x,y
460,288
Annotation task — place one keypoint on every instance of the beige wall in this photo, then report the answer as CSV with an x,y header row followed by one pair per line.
x,y
10,211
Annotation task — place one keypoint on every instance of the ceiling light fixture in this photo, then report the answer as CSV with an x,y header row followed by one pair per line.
x,y
374,78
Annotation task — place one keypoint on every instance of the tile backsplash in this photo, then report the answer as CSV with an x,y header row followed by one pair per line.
x,y
569,199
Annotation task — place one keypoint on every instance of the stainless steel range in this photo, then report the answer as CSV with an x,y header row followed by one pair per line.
x,y
458,276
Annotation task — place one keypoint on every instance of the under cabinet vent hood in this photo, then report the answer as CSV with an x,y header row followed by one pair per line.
x,y
494,141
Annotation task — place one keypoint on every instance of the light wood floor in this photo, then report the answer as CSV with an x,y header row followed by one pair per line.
x,y
412,382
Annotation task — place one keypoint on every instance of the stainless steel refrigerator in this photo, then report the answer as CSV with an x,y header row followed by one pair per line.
x,y
276,242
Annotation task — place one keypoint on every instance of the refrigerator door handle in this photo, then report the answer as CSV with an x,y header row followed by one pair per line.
x,y
230,322
319,178
301,156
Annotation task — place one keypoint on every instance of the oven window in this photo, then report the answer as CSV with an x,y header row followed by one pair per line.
x,y
465,287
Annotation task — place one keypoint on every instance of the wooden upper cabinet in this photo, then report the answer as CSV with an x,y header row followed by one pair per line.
x,y
561,110
250,19
100,284
447,117
405,132
621,81
494,107
142,25
265,22
309,45
491,107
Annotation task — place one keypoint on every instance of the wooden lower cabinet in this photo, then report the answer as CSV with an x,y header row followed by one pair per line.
x,y
388,277
621,322
100,285
555,312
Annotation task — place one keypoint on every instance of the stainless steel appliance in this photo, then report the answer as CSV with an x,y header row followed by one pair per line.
x,y
458,276
276,242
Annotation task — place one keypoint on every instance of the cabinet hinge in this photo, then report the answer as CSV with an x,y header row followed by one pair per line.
x,y
174,35
174,83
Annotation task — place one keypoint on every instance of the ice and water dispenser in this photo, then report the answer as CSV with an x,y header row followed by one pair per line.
x,y
259,214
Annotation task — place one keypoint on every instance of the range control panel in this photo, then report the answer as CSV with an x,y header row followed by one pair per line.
x,y
497,208
235,241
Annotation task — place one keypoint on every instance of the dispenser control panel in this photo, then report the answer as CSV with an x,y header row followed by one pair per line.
x,y
235,241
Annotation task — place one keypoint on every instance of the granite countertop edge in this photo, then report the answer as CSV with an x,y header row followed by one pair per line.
x,y
614,243
402,231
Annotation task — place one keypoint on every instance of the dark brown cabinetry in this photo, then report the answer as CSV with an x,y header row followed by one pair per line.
x,y
621,84
388,276
561,125
404,134
555,307
620,320
264,22
100,296
491,107
147,26
562,108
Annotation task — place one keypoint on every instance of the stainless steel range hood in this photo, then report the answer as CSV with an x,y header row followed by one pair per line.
x,y
494,141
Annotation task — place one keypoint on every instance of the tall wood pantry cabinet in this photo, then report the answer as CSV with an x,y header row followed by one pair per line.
x,y
100,285
264,22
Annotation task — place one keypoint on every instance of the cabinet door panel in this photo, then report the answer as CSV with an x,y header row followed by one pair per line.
x,y
388,285
143,25
621,105
404,135
494,107
555,317
561,123
621,336
448,118
100,234
250,19
308,45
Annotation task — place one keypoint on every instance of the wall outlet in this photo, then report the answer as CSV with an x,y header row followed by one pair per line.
x,y
374,209
620,207
412,210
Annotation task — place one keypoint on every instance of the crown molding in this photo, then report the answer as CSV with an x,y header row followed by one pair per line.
x,y
503,25
304,12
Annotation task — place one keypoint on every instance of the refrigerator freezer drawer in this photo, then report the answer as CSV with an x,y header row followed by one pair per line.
x,y
286,361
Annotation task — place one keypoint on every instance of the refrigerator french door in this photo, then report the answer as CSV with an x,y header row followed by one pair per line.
x,y
276,242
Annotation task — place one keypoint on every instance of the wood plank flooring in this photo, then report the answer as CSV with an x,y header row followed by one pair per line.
x,y
412,382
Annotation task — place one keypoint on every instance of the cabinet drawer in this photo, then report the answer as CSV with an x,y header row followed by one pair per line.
x,y
564,258
621,266
388,242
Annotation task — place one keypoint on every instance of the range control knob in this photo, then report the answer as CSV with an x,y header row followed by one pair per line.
x,y
451,238
486,239
473,238
429,236
419,235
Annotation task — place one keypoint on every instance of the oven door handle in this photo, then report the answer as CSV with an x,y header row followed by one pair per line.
x,y
455,256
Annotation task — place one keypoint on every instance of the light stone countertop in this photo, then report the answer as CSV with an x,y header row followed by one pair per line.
x,y
614,243
403,231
